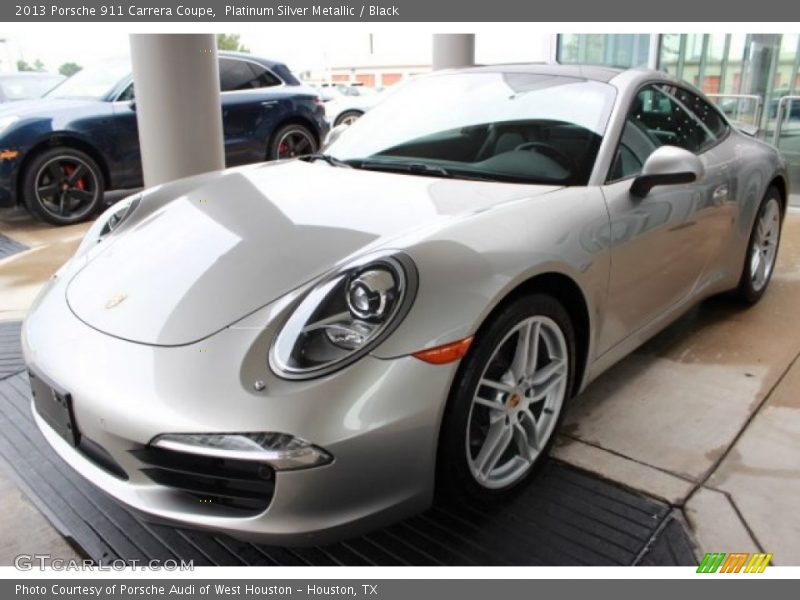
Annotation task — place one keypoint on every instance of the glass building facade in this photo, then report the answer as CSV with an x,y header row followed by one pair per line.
x,y
753,78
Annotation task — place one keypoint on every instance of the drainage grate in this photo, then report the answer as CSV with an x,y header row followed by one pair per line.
x,y
9,246
566,517
10,351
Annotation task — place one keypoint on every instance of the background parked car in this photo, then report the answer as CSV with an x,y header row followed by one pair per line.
x,y
346,103
25,86
62,152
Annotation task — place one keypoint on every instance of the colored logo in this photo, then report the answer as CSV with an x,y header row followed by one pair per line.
x,y
737,562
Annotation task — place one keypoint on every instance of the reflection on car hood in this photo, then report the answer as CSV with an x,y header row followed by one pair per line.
x,y
192,262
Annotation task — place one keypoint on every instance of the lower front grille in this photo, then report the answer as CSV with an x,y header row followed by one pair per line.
x,y
244,485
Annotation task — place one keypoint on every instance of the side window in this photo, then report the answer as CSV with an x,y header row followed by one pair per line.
x,y
703,111
635,145
127,94
244,75
667,120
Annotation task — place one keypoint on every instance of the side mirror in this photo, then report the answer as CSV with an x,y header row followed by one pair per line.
x,y
132,105
668,165
334,134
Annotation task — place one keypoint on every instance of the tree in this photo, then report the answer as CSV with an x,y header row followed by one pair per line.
x,y
230,41
37,65
68,69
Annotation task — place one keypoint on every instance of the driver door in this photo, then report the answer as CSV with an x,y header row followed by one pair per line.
x,y
661,244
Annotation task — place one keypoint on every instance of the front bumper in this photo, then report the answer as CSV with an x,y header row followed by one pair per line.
x,y
379,419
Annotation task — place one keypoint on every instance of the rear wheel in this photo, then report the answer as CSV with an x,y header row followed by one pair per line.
x,y
62,186
507,400
291,141
762,250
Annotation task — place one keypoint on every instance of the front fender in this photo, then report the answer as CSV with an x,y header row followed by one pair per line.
x,y
467,269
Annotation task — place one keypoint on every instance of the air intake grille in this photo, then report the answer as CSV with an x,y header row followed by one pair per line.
x,y
244,485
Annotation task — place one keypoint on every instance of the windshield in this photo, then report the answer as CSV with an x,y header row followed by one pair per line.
x,y
96,81
516,127
23,88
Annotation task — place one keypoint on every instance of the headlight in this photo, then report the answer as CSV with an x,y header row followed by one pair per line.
x,y
345,316
106,223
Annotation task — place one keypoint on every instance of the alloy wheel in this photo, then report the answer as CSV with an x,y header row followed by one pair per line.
x,y
765,244
66,186
517,402
294,143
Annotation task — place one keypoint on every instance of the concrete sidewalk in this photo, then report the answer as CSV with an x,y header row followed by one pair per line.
x,y
705,416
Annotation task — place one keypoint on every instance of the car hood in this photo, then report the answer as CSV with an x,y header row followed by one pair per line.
x,y
196,258
43,107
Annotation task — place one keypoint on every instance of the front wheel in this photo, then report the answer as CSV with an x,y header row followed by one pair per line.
x,y
292,141
507,400
762,249
62,186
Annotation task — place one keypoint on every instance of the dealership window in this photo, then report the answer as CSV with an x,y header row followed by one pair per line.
x,y
237,75
619,50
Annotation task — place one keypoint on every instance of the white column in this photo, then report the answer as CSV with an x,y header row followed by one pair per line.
x,y
177,103
452,50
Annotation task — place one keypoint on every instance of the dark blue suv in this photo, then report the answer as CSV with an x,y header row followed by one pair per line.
x,y
60,153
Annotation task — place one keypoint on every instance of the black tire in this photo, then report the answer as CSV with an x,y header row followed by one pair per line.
x,y
281,145
348,115
62,186
750,289
455,478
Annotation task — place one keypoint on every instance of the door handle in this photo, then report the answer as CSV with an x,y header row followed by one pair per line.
x,y
269,103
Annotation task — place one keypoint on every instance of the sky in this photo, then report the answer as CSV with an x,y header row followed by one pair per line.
x,y
301,52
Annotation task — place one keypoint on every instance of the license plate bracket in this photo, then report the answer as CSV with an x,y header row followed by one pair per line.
x,y
54,406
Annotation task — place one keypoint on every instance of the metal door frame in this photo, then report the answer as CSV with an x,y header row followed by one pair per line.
x,y
782,103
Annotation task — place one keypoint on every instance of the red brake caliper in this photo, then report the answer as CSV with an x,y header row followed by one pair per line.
x,y
68,171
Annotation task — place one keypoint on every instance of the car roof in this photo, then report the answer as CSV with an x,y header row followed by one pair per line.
x,y
593,72
613,75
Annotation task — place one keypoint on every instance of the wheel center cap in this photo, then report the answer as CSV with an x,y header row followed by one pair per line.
x,y
64,187
514,401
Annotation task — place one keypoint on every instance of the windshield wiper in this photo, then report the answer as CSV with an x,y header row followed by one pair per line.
x,y
331,160
400,167
419,169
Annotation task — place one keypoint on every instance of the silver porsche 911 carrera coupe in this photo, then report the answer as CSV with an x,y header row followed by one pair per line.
x,y
298,351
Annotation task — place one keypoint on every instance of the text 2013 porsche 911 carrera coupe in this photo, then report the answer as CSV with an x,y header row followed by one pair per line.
x,y
301,350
